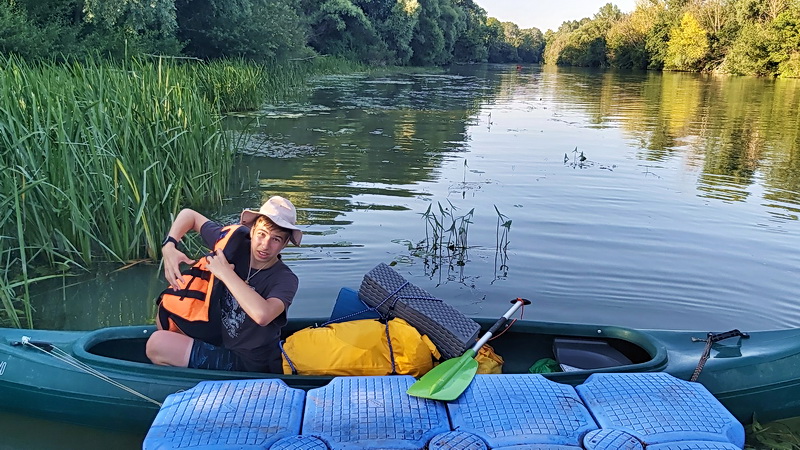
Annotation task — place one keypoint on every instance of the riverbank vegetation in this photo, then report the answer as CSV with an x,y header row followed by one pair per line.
x,y
743,37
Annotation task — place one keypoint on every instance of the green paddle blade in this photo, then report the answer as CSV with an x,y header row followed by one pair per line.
x,y
448,380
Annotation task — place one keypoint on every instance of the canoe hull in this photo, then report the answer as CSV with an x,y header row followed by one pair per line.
x,y
756,376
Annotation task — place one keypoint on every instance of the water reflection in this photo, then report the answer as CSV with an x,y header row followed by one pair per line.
x,y
732,129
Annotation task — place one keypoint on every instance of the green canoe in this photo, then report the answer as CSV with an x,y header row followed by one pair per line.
x,y
102,378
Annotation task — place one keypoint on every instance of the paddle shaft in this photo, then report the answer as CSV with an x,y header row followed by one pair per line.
x,y
497,325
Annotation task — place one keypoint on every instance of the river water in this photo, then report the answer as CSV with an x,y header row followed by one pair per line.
x,y
656,200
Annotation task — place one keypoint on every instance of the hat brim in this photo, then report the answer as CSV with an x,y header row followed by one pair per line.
x,y
249,217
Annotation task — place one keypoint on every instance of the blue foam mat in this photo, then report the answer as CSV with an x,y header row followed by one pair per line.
x,y
301,442
226,415
524,409
538,447
611,440
456,440
371,413
659,408
695,445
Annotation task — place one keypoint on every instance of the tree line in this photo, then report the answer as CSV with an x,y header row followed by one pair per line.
x,y
377,32
742,37
748,37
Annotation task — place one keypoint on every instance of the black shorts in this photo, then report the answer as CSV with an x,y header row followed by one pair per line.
x,y
205,331
207,356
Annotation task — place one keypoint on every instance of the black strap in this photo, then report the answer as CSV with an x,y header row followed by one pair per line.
x,y
391,350
710,340
288,360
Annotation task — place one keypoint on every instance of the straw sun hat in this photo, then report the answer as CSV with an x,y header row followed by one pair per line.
x,y
281,212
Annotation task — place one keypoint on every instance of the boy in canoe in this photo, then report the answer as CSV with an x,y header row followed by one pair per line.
x,y
233,323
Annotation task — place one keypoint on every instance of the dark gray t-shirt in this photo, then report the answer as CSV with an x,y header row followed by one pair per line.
x,y
255,345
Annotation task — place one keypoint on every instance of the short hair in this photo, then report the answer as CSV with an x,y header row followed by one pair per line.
x,y
271,226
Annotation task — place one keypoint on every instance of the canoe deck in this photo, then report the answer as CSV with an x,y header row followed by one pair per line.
x,y
608,411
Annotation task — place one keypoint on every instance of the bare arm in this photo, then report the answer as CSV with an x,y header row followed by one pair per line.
x,y
261,310
185,221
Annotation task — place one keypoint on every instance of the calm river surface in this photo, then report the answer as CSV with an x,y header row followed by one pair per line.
x,y
638,199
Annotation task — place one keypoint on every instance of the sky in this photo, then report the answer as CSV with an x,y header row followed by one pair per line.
x,y
547,14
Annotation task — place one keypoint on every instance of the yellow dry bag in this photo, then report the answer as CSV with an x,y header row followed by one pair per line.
x,y
359,347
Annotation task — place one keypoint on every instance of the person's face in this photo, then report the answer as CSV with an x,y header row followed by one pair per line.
x,y
266,243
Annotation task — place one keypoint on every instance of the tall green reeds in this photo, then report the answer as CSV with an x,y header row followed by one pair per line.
x,y
240,85
96,158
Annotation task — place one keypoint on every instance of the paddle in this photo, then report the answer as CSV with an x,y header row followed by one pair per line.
x,y
449,379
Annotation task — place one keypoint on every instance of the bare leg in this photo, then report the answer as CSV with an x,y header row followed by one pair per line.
x,y
167,348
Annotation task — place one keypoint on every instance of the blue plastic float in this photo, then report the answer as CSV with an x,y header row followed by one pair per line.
x,y
609,411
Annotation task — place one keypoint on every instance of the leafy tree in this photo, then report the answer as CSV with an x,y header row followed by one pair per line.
x,y
713,14
113,27
254,29
471,44
43,12
626,40
429,43
785,46
32,36
688,45
117,26
749,53
452,21
607,15
718,18
763,11
586,46
498,47
555,42
343,28
531,47
395,21
134,15
512,39
657,42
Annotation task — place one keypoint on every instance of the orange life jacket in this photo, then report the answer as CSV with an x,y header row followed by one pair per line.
x,y
193,301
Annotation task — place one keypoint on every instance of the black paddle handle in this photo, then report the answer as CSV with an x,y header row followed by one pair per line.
x,y
502,321
497,325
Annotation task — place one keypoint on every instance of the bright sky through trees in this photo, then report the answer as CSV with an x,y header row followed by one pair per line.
x,y
546,15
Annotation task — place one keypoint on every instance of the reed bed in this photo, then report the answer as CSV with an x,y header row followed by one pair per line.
x,y
96,159
240,85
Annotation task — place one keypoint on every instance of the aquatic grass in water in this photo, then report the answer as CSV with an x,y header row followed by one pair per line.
x,y
446,241
445,244
501,249
778,435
